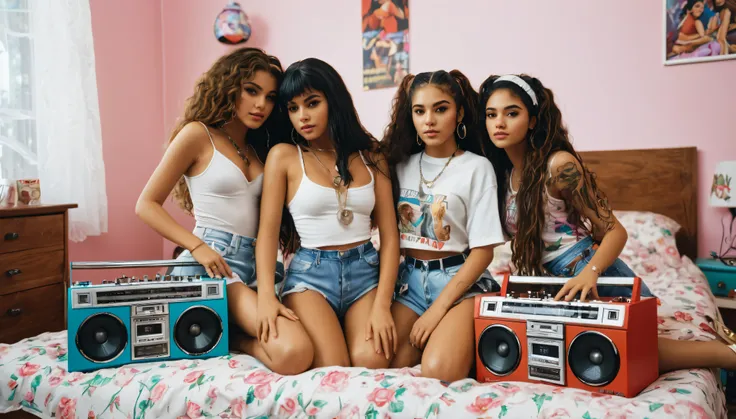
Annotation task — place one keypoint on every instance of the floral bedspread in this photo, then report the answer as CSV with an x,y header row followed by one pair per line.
x,y
33,377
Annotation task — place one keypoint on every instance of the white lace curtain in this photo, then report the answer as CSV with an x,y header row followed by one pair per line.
x,y
50,125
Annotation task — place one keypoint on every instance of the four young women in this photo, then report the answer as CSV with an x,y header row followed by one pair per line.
x,y
281,159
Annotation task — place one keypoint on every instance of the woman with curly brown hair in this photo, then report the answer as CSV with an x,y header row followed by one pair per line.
x,y
560,222
445,190
214,164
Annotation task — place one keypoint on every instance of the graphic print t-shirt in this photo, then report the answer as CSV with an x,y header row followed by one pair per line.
x,y
459,211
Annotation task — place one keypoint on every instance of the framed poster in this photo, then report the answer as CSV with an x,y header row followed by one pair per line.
x,y
385,27
699,30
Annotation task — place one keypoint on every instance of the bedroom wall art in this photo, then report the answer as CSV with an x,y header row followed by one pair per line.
x,y
232,25
699,30
385,27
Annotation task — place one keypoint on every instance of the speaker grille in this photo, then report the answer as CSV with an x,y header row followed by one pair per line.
x,y
102,337
198,330
499,349
593,358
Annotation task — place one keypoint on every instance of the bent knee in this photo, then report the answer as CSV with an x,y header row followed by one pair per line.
x,y
291,356
366,357
439,368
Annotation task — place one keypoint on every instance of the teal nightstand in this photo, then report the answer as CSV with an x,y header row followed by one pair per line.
x,y
721,278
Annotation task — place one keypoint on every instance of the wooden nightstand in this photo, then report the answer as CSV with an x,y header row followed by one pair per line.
x,y
34,270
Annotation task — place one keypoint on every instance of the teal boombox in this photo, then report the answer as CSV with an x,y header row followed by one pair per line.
x,y
130,320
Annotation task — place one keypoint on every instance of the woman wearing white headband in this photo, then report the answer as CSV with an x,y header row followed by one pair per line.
x,y
567,228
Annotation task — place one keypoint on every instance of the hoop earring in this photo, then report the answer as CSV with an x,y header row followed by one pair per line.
x,y
419,140
293,140
465,130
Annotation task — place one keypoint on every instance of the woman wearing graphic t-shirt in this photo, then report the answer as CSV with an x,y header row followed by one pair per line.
x,y
445,192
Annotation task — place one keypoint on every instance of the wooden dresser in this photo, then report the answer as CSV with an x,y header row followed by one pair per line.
x,y
34,270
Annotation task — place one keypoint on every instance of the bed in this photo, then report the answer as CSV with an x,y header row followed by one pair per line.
x,y
662,225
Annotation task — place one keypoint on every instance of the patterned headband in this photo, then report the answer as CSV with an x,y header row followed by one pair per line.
x,y
521,83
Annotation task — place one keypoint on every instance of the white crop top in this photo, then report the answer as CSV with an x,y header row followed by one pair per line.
x,y
314,209
223,198
459,212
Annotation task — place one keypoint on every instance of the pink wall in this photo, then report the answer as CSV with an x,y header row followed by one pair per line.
x,y
612,96
127,41
603,61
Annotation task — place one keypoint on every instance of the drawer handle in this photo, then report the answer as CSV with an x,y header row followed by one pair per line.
x,y
721,285
15,312
13,272
11,236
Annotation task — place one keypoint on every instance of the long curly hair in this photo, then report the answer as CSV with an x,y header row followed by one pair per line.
x,y
399,141
346,131
214,99
548,136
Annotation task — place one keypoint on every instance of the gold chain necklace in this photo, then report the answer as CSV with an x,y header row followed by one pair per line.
x,y
430,183
337,180
344,215
238,149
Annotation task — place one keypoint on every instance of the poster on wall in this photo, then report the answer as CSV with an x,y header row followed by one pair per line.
x,y
699,30
385,43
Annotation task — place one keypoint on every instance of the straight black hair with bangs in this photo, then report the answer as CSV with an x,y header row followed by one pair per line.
x,y
346,131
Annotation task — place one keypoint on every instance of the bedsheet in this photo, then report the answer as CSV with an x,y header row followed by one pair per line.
x,y
33,377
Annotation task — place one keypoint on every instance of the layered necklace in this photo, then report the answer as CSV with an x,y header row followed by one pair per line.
x,y
240,151
344,215
430,183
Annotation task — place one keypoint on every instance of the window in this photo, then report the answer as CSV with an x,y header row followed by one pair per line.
x,y
49,111
18,146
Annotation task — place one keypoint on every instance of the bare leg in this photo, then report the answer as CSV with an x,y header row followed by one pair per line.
x,y
288,354
723,31
322,326
404,319
685,354
362,351
448,355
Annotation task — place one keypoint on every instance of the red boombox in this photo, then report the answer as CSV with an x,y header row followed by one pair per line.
x,y
607,346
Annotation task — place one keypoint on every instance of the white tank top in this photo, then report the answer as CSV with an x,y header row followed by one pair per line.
x,y
223,198
314,210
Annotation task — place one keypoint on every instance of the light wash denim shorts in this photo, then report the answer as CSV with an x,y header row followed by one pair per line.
x,y
420,284
342,277
565,266
238,251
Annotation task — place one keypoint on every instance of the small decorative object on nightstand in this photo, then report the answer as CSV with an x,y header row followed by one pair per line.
x,y
34,270
721,195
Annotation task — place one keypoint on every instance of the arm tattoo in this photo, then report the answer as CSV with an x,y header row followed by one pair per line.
x,y
583,193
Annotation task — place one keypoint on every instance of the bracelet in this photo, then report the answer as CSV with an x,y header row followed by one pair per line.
x,y
195,247
595,269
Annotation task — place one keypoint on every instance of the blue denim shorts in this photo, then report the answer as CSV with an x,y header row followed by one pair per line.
x,y
560,267
418,287
238,252
342,277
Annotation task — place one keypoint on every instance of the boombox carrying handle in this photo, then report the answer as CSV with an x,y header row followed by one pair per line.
x,y
132,264
634,282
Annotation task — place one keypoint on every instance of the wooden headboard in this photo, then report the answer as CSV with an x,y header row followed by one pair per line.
x,y
663,181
